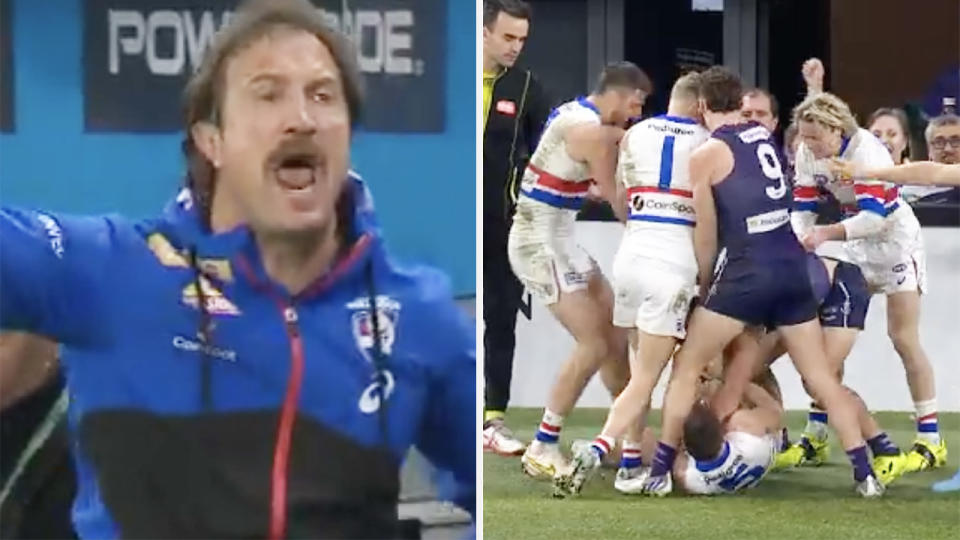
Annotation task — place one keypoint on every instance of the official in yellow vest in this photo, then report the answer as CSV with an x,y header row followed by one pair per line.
x,y
515,110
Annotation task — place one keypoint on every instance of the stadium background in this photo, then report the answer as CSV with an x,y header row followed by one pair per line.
x,y
877,53
76,138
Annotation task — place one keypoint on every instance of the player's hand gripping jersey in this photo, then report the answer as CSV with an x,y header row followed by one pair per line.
x,y
654,270
541,247
883,234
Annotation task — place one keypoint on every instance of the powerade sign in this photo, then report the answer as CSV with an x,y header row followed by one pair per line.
x,y
138,55
6,67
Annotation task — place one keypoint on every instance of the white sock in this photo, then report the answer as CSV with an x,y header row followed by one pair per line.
x,y
927,427
550,426
817,424
630,458
603,445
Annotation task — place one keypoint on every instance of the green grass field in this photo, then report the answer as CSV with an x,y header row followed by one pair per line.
x,y
805,503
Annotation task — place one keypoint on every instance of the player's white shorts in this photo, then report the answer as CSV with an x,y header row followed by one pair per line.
x,y
651,295
548,268
894,261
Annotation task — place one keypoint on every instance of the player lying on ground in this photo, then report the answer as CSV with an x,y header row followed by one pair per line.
x,y
731,455
843,298
722,456
579,143
742,203
654,272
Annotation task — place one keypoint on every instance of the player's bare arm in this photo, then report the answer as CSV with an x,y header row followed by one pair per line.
x,y
621,197
597,146
743,358
621,185
919,173
864,223
813,73
708,165
764,404
763,419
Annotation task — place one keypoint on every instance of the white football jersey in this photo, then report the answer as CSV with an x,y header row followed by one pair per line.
x,y
554,185
654,167
744,460
863,194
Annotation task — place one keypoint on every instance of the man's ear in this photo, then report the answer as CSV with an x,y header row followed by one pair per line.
x,y
206,136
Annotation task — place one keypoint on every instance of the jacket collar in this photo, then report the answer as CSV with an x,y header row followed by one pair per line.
x,y
181,220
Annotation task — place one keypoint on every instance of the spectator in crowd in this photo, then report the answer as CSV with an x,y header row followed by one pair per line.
x,y
943,139
761,106
892,128
943,146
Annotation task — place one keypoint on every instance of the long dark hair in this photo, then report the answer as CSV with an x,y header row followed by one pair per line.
x,y
901,118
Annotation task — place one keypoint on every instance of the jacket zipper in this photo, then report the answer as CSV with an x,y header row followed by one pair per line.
x,y
281,452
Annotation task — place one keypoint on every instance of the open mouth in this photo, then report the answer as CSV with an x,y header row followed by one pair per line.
x,y
297,171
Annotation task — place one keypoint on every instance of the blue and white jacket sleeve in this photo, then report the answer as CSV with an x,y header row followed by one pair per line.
x,y
448,437
49,271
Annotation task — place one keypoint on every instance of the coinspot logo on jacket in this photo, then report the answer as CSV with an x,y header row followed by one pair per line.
x,y
261,408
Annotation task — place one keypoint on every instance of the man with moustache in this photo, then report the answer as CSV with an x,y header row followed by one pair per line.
x,y
251,363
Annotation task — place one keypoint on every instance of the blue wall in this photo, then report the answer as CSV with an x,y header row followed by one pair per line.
x,y
424,185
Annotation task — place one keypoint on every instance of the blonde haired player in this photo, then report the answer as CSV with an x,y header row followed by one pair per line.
x,y
578,149
654,273
881,235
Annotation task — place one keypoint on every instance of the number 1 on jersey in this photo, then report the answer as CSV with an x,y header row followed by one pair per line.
x,y
666,163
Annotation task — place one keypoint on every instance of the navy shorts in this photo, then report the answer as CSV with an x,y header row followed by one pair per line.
x,y
846,305
768,293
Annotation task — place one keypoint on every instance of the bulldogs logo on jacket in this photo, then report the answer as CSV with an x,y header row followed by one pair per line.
x,y
388,312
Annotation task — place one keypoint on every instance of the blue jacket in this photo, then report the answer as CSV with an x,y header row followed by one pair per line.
x,y
262,414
